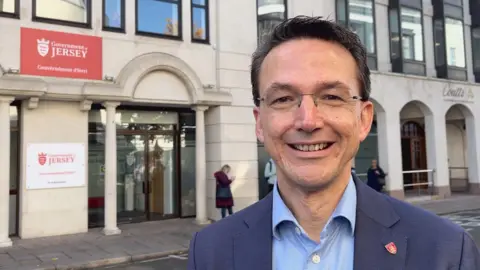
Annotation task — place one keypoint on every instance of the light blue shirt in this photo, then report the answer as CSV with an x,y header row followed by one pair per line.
x,y
293,249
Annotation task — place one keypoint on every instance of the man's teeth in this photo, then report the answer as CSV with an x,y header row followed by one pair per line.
x,y
310,147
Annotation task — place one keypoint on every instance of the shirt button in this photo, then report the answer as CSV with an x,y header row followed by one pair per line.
x,y
315,258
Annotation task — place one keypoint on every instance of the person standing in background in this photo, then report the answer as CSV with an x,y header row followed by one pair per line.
x,y
270,174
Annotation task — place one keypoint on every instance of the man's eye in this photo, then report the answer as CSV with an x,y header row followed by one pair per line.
x,y
331,97
284,99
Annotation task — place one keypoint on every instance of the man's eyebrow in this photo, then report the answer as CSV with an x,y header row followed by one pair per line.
x,y
324,85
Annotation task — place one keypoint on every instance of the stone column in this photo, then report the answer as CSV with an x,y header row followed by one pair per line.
x,y
5,171
390,151
437,157
200,163
111,170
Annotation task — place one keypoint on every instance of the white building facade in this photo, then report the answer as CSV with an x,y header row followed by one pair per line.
x,y
120,111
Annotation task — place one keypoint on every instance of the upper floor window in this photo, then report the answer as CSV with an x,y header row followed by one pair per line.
x,y
114,15
270,13
67,12
359,16
406,37
449,37
200,31
475,15
476,52
9,8
159,18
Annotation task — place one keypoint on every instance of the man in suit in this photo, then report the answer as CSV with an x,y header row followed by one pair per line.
x,y
311,88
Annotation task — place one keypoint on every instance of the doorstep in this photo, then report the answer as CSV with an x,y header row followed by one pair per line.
x,y
140,241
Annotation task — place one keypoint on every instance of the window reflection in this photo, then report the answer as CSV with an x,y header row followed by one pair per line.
x,y
112,14
455,46
158,17
7,6
412,34
270,14
361,22
476,49
199,20
64,10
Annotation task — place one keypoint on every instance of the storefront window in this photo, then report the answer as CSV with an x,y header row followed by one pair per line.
x,y
188,165
152,182
114,15
359,16
270,13
76,12
455,44
159,17
14,150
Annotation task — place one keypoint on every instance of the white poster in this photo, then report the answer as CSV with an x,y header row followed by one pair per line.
x,y
55,165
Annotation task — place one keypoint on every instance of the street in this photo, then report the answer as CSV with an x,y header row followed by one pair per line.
x,y
470,220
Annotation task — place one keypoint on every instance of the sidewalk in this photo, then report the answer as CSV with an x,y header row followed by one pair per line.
x,y
139,241
455,203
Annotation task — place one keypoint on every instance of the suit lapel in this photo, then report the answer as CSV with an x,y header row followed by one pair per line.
x,y
377,245
252,248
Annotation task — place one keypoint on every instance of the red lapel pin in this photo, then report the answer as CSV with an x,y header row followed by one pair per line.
x,y
391,248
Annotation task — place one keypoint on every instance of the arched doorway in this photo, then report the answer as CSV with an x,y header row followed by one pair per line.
x,y
414,155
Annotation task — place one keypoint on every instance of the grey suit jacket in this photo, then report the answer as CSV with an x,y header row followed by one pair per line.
x,y
424,241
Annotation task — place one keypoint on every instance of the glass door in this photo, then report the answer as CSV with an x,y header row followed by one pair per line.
x,y
162,175
131,175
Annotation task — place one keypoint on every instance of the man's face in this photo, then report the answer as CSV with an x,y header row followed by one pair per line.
x,y
374,163
311,144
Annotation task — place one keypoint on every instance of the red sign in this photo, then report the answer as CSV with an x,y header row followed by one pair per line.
x,y
58,54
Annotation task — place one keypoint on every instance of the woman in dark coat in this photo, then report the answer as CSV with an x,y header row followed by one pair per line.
x,y
224,198
376,177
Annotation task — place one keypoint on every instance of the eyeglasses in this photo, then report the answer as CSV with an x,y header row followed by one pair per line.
x,y
288,101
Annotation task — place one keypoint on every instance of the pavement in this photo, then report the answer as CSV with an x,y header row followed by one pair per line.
x,y
163,244
138,242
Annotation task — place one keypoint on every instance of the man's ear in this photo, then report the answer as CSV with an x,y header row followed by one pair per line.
x,y
258,124
366,119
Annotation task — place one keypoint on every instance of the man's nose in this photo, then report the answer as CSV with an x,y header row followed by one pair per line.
x,y
307,116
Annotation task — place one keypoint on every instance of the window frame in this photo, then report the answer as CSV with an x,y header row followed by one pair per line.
x,y
15,14
445,71
120,29
207,22
285,16
88,24
400,64
372,59
179,37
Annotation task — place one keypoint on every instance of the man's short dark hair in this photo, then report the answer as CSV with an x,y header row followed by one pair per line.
x,y
315,28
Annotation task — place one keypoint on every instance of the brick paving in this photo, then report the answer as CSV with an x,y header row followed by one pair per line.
x,y
84,251
141,241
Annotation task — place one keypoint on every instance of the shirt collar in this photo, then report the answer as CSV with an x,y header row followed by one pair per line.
x,y
346,208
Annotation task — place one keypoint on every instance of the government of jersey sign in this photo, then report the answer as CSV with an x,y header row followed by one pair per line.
x,y
462,94
59,54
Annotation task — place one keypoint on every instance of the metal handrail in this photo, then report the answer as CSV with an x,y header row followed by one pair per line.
x,y
418,171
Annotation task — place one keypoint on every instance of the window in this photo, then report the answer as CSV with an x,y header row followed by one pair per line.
x,y
358,15
270,13
66,12
406,37
160,18
476,52
450,57
200,31
9,8
455,43
114,15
